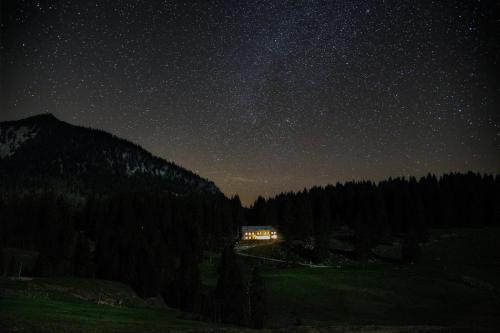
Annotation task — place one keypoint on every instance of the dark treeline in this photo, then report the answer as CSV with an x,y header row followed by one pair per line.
x,y
395,207
151,241
233,301
154,241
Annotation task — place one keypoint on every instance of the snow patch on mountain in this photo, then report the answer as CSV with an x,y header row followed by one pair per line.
x,y
11,139
134,167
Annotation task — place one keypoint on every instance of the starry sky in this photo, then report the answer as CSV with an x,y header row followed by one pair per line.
x,y
267,96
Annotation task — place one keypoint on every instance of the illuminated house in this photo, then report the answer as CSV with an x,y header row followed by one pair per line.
x,y
258,232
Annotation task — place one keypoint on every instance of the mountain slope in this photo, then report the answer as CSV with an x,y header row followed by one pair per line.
x,y
42,151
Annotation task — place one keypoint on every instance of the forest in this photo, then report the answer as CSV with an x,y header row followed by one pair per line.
x,y
155,241
401,207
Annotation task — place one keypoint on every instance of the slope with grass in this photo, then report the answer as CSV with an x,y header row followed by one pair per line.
x,y
79,305
454,285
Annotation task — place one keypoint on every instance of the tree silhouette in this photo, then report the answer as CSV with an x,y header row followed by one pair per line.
x,y
258,300
230,291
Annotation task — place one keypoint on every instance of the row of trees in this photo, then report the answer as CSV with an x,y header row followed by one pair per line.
x,y
236,303
401,207
154,241
151,241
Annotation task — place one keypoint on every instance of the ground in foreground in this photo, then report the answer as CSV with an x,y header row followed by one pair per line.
x,y
79,305
454,289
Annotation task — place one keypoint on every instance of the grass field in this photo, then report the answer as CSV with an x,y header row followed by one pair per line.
x,y
71,305
455,285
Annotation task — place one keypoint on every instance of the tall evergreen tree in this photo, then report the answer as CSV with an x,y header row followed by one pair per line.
x,y
230,291
258,300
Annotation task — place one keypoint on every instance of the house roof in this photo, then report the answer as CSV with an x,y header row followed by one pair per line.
x,y
256,227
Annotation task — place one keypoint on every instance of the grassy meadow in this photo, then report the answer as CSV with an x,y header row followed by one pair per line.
x,y
79,305
456,285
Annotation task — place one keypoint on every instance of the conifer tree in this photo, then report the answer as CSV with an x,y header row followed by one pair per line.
x,y
230,291
258,300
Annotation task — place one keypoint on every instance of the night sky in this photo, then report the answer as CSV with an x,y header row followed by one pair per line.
x,y
267,96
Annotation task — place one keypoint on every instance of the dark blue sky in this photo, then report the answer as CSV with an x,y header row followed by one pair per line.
x,y
267,96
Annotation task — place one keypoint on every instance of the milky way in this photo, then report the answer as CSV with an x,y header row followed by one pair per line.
x,y
267,96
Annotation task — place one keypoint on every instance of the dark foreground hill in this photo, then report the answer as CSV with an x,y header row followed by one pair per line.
x,y
457,293
42,151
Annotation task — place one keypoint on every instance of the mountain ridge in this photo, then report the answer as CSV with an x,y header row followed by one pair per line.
x,y
44,150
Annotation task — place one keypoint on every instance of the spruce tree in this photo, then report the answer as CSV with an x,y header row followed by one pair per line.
x,y
258,300
230,291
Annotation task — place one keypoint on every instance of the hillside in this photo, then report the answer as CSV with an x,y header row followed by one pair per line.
x,y
44,152
79,305
456,293
456,286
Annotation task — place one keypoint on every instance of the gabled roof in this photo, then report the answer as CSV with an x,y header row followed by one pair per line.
x,y
256,227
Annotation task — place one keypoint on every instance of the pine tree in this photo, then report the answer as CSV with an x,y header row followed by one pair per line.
x,y
238,216
321,229
258,300
230,291
83,258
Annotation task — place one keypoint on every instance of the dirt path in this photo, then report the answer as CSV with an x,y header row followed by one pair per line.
x,y
249,246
